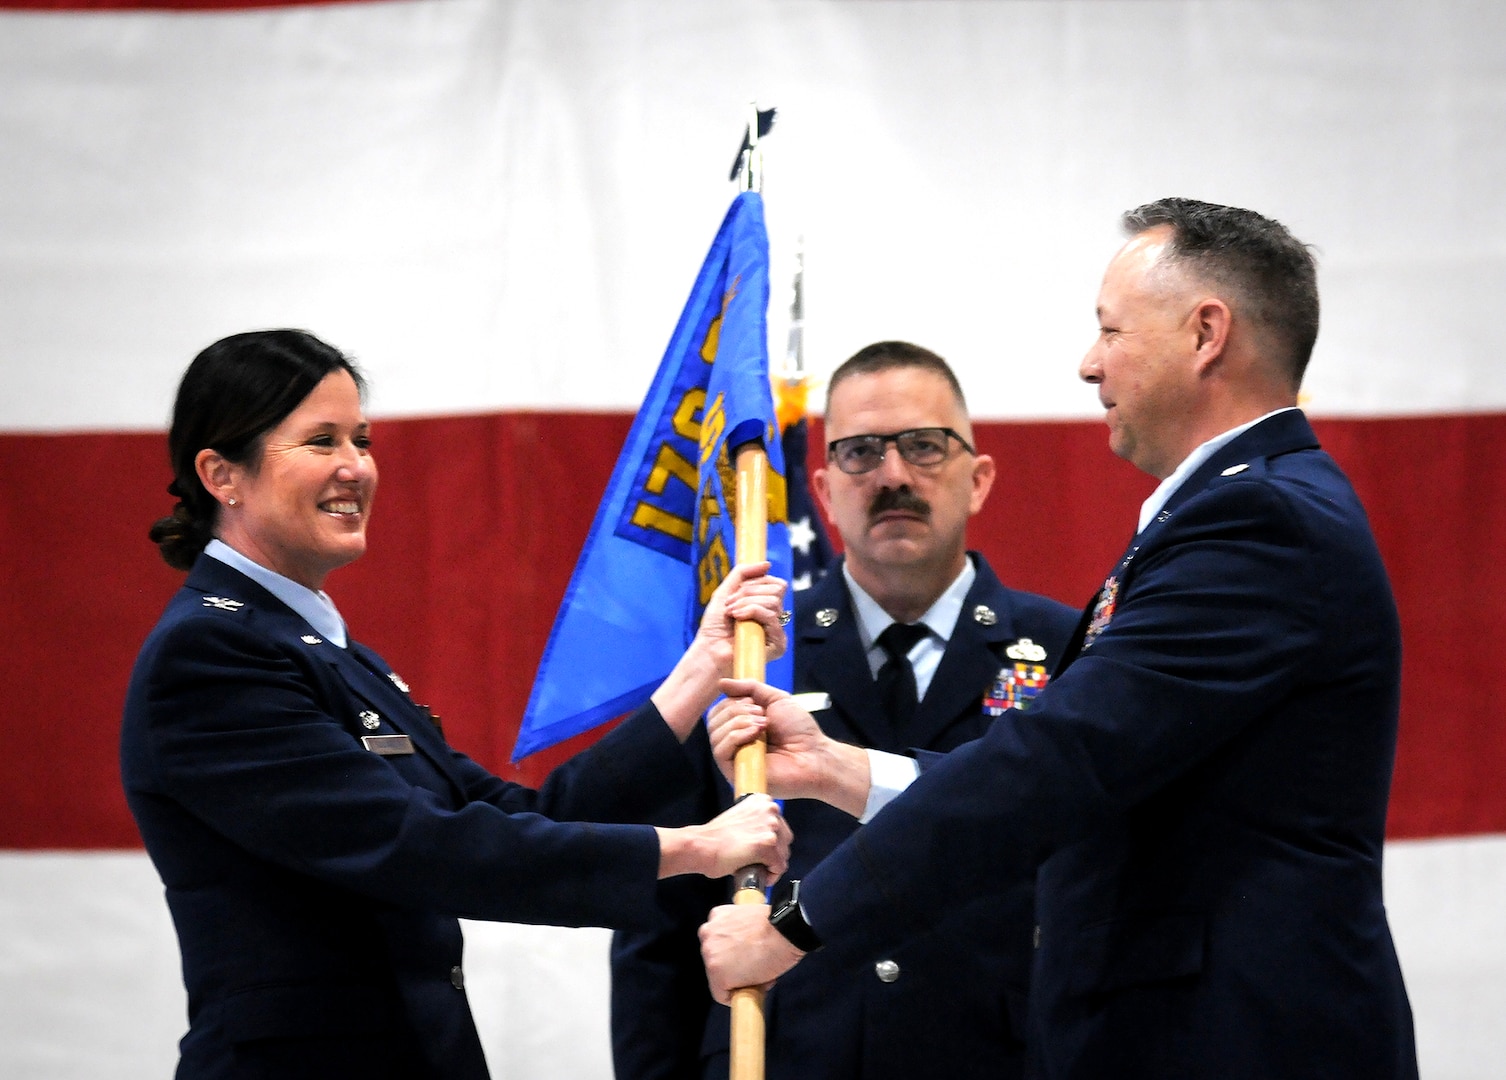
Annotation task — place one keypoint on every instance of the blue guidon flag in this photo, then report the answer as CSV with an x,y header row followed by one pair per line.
x,y
663,537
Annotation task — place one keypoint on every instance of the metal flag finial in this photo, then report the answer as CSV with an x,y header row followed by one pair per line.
x,y
749,163
792,386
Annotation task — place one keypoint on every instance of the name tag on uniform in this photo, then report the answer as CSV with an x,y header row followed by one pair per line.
x,y
812,701
387,745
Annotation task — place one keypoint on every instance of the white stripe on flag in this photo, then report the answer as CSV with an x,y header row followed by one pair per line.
x,y
489,203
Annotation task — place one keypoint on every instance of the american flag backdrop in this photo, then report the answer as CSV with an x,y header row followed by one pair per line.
x,y
494,206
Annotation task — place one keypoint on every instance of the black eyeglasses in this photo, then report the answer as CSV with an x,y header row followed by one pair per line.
x,y
858,454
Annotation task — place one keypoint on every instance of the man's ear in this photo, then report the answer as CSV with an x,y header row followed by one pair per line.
x,y
1211,322
820,485
983,482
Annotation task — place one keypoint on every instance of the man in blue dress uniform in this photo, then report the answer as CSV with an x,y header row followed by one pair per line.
x,y
911,646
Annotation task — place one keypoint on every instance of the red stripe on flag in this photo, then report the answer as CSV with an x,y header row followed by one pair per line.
x,y
479,522
1435,490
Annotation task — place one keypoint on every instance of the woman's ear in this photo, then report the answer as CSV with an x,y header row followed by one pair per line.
x,y
218,474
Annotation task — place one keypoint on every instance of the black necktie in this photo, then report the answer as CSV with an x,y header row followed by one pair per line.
x,y
896,679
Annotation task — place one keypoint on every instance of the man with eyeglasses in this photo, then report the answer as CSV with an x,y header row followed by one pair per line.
x,y
902,479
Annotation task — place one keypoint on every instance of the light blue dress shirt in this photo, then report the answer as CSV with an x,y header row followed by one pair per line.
x,y
317,609
889,774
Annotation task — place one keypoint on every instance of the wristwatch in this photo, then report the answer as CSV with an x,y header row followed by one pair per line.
x,y
789,918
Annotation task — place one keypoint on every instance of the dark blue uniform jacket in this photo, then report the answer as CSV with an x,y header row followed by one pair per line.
x,y
1204,787
949,1000
315,883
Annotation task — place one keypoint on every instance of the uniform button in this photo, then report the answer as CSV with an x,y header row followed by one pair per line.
x,y
886,970
457,978
1036,937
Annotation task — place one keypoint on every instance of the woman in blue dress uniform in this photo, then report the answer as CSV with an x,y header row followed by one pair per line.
x,y
316,838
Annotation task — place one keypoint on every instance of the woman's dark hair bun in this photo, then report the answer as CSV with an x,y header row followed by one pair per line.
x,y
181,537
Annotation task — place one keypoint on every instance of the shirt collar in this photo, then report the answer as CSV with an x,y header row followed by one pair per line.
x,y
317,609
1168,487
940,618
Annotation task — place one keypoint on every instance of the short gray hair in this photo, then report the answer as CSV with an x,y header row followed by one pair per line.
x,y
1271,276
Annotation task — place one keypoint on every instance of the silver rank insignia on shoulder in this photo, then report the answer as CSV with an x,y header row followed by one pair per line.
x,y
1234,470
826,616
223,603
310,639
1025,649
397,681
984,615
370,720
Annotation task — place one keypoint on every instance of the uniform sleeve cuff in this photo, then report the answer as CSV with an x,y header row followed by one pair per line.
x,y
889,774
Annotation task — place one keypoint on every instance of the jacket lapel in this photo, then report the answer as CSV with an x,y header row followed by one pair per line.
x,y
362,673
829,657
1280,434
370,679
1099,609
971,661
1283,433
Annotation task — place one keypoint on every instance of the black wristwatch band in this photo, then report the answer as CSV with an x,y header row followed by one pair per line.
x,y
788,917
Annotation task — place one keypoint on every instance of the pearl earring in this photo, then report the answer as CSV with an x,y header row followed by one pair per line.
x,y
232,502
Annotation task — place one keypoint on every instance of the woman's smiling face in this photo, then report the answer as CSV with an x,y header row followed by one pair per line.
x,y
301,509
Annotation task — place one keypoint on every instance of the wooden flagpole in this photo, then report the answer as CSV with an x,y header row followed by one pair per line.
x,y
749,775
748,772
